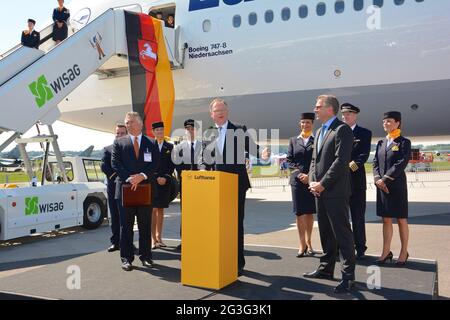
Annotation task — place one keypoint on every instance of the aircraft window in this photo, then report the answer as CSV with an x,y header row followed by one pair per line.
x,y
358,5
339,6
321,9
237,21
378,3
207,25
268,16
252,19
286,14
303,11
399,2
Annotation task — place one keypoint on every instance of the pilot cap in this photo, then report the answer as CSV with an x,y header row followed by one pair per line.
x,y
189,123
348,107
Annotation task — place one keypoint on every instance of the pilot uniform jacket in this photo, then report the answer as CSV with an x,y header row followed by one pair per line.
x,y
60,16
161,196
299,159
360,154
389,165
32,40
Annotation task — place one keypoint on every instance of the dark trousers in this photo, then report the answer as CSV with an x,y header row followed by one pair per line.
x,y
335,230
114,213
144,220
241,214
358,213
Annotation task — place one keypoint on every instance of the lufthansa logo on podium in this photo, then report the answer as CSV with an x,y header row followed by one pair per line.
x,y
204,178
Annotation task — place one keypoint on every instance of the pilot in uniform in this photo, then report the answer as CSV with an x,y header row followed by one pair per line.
x,y
360,155
31,38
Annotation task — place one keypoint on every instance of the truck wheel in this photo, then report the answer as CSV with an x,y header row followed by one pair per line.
x,y
94,213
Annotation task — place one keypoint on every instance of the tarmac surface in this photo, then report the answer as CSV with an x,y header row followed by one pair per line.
x,y
36,266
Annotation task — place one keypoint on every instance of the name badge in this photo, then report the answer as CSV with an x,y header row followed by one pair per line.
x,y
147,157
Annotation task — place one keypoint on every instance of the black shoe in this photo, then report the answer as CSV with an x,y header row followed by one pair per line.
x,y
148,263
178,248
240,272
127,266
383,261
302,254
344,286
318,274
113,247
402,263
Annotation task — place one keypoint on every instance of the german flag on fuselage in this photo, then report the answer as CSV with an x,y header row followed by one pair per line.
x,y
152,88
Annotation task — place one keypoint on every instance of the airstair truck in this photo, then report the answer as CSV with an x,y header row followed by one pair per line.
x,y
32,83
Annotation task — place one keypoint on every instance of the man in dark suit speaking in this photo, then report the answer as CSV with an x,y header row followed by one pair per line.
x,y
134,158
227,152
329,178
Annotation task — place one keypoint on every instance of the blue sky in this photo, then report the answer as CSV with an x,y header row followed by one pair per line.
x,y
13,20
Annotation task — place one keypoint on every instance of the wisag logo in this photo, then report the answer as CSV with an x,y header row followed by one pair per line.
x,y
32,206
206,4
41,91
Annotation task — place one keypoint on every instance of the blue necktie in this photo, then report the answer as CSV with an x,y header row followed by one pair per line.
x,y
322,134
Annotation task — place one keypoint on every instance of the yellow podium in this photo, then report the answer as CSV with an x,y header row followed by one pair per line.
x,y
209,229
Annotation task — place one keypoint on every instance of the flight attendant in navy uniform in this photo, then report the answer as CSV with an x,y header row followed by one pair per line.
x,y
31,38
360,154
162,182
304,205
391,158
60,17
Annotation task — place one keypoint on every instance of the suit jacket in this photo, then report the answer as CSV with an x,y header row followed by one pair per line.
x,y
329,165
234,164
184,149
124,161
390,163
360,154
106,165
299,157
32,40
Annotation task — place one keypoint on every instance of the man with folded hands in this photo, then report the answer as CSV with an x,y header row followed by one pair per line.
x,y
134,158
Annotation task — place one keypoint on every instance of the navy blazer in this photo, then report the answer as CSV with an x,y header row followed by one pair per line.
x,y
299,157
124,160
390,163
32,40
360,154
106,165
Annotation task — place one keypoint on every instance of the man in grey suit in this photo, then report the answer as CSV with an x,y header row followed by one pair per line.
x,y
330,182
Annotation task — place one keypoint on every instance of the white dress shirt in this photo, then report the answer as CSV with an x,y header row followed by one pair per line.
x,y
222,135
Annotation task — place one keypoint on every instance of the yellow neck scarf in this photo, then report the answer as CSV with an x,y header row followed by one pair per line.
x,y
394,134
306,134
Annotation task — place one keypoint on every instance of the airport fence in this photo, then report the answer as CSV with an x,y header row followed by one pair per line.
x,y
413,178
